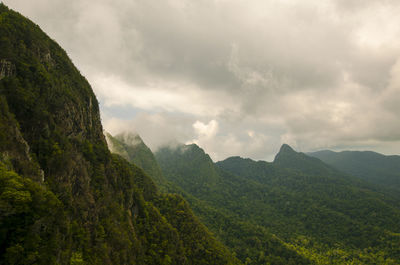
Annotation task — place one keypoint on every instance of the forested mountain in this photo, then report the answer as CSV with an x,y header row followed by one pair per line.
x,y
64,198
370,166
240,236
229,205
326,216
288,158
131,147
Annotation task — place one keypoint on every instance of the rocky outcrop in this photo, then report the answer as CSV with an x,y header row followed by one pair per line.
x,y
45,58
14,149
7,68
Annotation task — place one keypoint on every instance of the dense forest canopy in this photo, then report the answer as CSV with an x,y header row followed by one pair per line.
x,y
295,210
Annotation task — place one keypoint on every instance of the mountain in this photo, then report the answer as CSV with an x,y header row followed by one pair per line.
x,y
320,214
189,166
64,198
218,198
370,166
239,236
288,158
131,147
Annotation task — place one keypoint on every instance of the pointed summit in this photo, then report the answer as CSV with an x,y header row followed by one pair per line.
x,y
286,148
289,158
284,152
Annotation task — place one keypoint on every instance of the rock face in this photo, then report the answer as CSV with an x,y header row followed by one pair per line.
x,y
7,68
45,58
64,199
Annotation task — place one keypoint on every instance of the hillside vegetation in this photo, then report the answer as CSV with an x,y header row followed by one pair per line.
x,y
326,216
295,210
64,198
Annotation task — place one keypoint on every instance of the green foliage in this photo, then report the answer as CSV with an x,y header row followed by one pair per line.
x,y
131,147
190,167
226,204
296,196
201,246
332,210
31,221
76,259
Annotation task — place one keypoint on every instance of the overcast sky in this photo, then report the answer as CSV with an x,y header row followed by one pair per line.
x,y
237,77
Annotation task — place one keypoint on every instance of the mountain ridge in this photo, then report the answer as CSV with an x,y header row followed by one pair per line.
x,y
64,198
284,192
371,166
131,147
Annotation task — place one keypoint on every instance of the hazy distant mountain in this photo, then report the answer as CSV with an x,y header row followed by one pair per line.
x,y
373,167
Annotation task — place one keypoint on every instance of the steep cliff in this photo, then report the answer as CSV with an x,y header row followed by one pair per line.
x,y
64,199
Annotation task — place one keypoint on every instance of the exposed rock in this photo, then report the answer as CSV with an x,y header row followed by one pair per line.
x,y
45,58
7,68
20,139
41,173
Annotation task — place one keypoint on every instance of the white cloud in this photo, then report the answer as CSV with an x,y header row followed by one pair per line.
x,y
206,130
315,74
158,95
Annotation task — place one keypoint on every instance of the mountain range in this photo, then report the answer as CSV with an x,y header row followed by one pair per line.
x,y
72,194
296,209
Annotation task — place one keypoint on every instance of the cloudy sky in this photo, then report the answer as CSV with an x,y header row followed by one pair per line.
x,y
237,77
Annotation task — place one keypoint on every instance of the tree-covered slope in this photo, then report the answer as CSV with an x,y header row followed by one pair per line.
x,y
219,199
370,166
326,216
344,198
131,147
64,199
190,167
240,237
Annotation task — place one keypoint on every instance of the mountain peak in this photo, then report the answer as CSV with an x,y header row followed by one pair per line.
x,y
286,148
195,167
130,138
289,158
285,151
